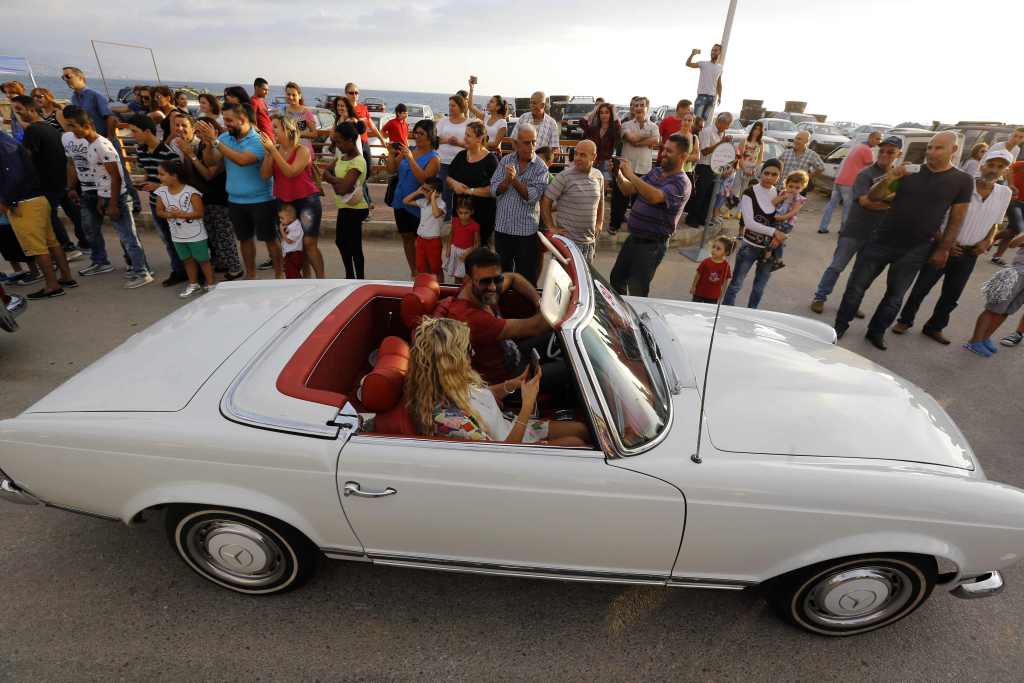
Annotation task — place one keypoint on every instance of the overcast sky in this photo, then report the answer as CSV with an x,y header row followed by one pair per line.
x,y
865,60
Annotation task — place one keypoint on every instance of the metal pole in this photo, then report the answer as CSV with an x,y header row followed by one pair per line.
x,y
153,57
31,75
728,30
102,75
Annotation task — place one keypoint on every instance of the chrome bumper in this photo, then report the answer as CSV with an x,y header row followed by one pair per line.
x,y
980,586
10,492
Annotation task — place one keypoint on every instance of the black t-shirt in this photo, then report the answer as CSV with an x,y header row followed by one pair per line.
x,y
216,190
920,206
476,174
43,142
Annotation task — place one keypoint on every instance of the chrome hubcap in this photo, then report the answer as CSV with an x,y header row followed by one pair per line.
x,y
236,552
852,598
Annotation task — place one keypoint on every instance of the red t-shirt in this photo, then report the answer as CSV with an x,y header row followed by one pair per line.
x,y
263,122
397,130
1018,180
463,235
712,277
484,334
364,115
668,127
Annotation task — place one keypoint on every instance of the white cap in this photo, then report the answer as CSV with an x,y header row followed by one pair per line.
x,y
998,154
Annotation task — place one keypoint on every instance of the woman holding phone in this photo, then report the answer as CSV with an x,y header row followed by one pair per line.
x,y
413,165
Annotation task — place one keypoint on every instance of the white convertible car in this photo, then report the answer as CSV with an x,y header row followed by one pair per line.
x,y
264,422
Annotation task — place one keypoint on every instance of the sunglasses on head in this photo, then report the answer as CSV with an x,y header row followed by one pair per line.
x,y
488,281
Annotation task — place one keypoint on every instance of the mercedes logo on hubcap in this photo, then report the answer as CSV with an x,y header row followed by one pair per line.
x,y
235,555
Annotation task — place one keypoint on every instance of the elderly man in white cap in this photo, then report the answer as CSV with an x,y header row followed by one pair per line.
x,y
988,204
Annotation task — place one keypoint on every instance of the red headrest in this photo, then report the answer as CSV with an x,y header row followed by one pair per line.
x,y
382,387
395,421
421,300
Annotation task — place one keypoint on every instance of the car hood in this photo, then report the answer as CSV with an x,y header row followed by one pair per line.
x,y
162,367
778,384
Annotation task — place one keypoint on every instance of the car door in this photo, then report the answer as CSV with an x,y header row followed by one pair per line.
x,y
508,508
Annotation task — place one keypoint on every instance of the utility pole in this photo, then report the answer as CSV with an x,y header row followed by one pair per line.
x,y
727,31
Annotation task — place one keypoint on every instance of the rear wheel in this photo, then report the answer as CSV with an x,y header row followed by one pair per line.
x,y
849,596
243,551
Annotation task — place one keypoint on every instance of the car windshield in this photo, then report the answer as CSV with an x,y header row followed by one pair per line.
x,y
415,111
624,367
779,125
826,130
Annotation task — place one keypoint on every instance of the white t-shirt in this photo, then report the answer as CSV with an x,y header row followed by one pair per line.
x,y
189,230
77,149
101,151
430,225
446,129
293,231
642,158
492,130
708,82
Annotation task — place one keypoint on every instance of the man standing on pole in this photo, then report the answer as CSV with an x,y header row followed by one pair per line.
x,y
709,86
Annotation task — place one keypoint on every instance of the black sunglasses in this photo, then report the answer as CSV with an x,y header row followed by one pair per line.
x,y
351,92
488,281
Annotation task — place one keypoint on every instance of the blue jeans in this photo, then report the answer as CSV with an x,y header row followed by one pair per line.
x,y
839,192
903,264
704,107
1016,216
125,226
636,264
746,257
164,228
846,249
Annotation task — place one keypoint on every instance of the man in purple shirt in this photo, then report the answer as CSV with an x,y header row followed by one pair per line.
x,y
662,194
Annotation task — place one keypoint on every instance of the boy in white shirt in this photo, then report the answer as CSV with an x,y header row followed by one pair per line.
x,y
290,228
428,234
181,206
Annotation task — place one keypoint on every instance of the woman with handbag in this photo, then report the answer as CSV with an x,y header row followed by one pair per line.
x,y
291,165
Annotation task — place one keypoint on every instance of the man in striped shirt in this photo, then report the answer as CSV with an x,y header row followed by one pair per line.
x,y
151,153
518,183
579,191
988,204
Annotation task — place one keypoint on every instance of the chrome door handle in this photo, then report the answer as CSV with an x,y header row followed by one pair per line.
x,y
352,489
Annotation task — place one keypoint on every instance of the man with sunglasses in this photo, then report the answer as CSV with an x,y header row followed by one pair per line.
x,y
501,346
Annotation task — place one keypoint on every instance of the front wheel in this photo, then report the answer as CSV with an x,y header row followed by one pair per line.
x,y
242,551
854,595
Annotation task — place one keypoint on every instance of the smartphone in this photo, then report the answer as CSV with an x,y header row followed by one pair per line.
x,y
534,363
913,168
397,146
616,160
472,80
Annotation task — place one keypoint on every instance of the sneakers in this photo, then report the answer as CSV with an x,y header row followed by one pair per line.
x,y
234,276
192,288
269,263
138,281
96,269
978,348
43,294
28,279
72,255
998,261
818,306
1012,339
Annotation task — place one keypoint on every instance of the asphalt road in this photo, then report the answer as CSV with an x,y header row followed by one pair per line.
x,y
84,599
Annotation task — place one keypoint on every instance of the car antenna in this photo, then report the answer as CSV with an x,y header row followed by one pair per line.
x,y
704,387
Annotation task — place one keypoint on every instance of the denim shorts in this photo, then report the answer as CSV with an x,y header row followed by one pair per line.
x,y
309,211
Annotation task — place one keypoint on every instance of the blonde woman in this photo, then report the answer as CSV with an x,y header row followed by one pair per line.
x,y
447,397
291,165
48,106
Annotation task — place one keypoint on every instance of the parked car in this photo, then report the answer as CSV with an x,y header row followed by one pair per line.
x,y
846,127
570,115
824,136
11,307
782,130
975,132
869,128
286,440
915,143
800,118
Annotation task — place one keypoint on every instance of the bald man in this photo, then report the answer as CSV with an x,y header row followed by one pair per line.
x,y
579,193
909,236
547,127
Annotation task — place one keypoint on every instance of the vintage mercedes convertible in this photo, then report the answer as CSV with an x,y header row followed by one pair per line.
x,y
264,422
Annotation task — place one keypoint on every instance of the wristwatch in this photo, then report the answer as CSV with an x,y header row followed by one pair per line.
x,y
215,143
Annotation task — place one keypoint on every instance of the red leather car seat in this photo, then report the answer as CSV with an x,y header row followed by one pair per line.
x,y
421,301
382,386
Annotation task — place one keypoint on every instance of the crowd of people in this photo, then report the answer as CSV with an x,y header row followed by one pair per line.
x,y
234,173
